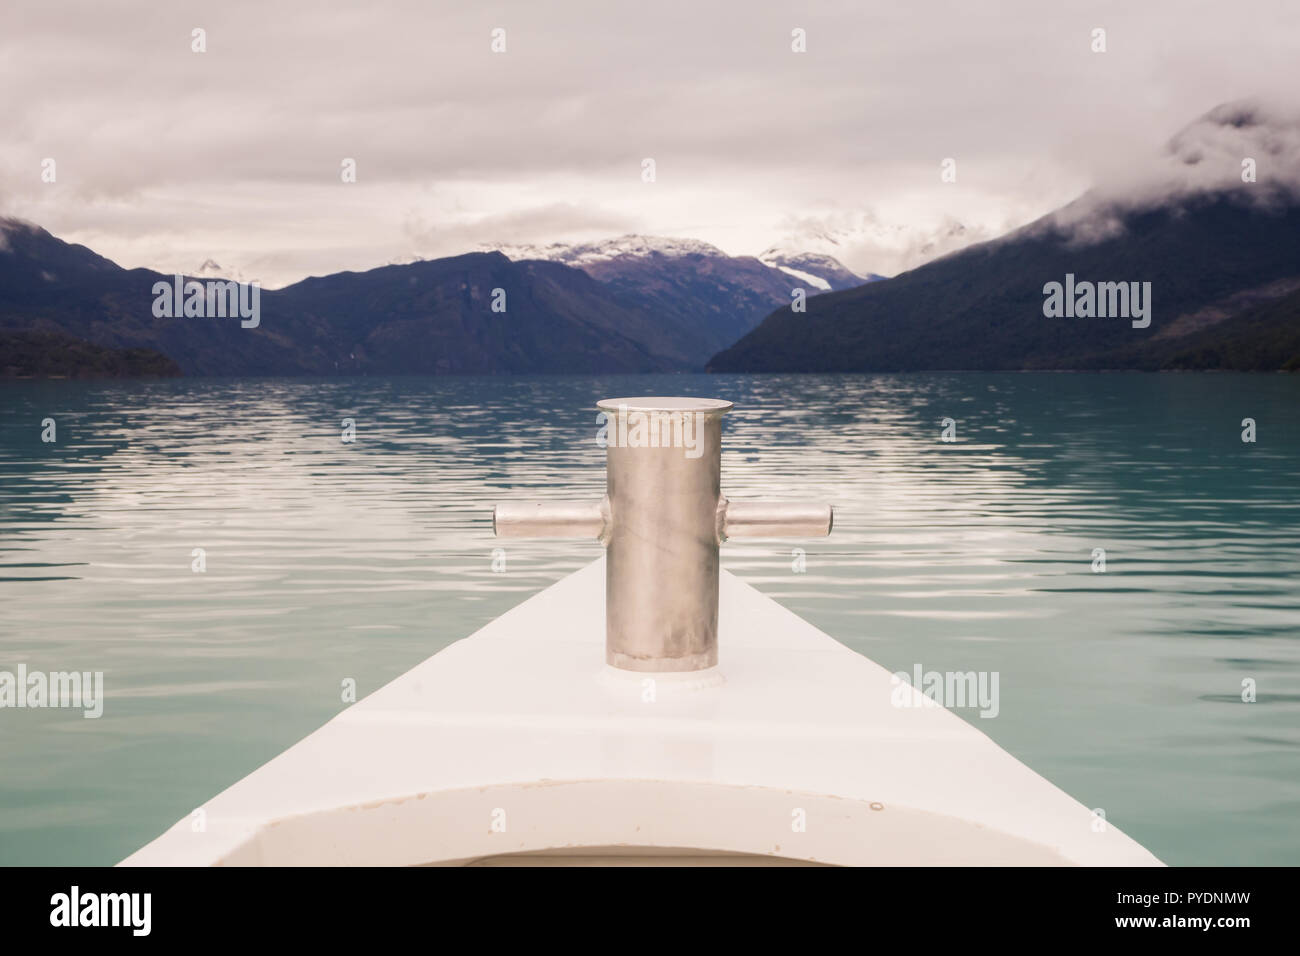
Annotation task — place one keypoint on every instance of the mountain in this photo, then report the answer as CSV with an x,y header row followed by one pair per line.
x,y
66,311
630,246
870,235
822,272
1262,337
436,317
211,269
428,317
32,354
630,305
1222,258
707,297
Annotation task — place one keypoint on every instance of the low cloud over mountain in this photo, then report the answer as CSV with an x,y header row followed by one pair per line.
x,y
1247,138
1218,251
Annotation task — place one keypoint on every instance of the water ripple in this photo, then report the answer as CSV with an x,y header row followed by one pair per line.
x,y
328,561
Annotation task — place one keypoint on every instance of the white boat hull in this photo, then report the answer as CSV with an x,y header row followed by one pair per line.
x,y
520,741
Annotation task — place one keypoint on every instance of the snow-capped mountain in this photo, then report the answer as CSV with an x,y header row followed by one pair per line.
x,y
211,269
690,285
580,254
820,271
860,236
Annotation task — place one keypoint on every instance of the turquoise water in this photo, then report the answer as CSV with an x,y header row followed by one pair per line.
x,y
327,561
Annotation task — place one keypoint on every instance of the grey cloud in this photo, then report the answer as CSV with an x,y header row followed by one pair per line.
x,y
234,154
540,224
1205,157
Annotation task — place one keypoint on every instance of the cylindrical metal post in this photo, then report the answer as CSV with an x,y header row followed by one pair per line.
x,y
662,519
664,461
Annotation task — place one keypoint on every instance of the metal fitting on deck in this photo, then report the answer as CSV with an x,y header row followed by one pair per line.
x,y
662,520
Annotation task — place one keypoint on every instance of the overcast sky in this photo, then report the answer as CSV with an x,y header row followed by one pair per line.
x,y
166,157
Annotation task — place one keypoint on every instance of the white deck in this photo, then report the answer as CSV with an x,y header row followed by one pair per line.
x,y
519,739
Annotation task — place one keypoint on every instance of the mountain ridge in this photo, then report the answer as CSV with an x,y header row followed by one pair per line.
x,y
1219,250
982,307
625,313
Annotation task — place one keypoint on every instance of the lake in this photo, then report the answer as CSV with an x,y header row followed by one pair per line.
x,y
324,560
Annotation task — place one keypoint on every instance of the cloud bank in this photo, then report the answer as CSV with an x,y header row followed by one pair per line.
x,y
168,158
